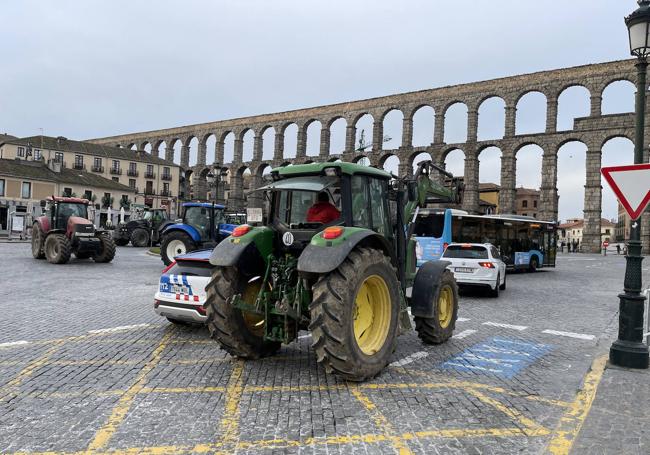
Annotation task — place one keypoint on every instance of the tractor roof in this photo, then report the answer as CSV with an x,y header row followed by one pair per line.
x,y
203,204
70,200
318,168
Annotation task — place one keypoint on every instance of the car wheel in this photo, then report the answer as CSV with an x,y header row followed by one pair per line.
x,y
495,292
503,286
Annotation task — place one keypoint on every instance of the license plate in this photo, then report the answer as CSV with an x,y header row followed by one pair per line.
x,y
464,269
180,289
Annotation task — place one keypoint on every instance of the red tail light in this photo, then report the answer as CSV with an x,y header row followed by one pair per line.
x,y
201,310
241,230
156,303
166,269
332,232
487,265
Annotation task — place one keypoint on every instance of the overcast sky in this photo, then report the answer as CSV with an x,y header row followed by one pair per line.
x,y
86,69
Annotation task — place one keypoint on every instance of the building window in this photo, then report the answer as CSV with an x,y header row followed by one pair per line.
x,y
149,173
67,192
78,161
524,203
166,189
132,183
524,214
21,152
132,167
116,165
606,231
166,173
26,190
88,195
535,203
115,179
38,154
2,187
58,157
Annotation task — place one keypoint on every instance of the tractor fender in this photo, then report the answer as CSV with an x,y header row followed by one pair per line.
x,y
253,247
186,228
44,223
425,287
323,256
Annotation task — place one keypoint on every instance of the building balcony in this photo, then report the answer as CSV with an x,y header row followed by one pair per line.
x,y
149,192
149,175
167,177
116,171
134,188
166,193
79,166
132,172
99,169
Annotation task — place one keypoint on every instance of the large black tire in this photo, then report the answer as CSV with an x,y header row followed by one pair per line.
x,y
107,252
174,238
121,241
57,249
495,292
229,325
503,286
364,284
140,237
37,242
439,329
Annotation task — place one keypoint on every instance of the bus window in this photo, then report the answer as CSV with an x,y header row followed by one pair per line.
x,y
430,225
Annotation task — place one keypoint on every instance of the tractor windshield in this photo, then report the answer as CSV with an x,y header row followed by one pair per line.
x,y
67,209
308,202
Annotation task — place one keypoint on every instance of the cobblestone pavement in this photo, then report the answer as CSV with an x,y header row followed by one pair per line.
x,y
87,367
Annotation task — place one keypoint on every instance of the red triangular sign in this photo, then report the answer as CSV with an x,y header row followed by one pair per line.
x,y
631,184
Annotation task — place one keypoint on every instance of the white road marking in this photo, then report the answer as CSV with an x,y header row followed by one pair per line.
x,y
464,334
13,343
117,329
463,319
581,336
506,326
473,367
408,359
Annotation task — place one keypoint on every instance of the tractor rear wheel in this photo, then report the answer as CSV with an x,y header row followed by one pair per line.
x,y
238,332
354,315
57,249
37,242
139,237
107,252
174,244
439,328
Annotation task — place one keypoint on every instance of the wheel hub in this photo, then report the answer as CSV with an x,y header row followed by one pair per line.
x,y
371,314
445,306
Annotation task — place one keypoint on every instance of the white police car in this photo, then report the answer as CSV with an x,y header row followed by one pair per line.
x,y
181,289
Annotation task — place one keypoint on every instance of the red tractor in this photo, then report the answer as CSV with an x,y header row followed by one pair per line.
x,y
66,229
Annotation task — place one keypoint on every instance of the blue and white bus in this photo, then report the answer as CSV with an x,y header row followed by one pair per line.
x,y
523,242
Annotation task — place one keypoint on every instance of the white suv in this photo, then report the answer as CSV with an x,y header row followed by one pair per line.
x,y
476,264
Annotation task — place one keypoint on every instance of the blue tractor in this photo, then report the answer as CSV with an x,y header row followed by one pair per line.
x,y
203,226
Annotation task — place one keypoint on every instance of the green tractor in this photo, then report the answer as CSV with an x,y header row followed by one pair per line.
x,y
335,258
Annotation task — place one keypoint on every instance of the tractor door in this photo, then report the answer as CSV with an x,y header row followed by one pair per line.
x,y
199,218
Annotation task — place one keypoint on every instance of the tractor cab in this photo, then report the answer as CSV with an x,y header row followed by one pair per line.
x,y
59,210
205,218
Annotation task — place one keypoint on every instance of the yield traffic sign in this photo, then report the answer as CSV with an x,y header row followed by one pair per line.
x,y
631,184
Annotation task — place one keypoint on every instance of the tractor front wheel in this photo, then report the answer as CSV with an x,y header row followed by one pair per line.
x,y
238,332
57,249
174,244
439,328
354,315
140,237
37,242
107,252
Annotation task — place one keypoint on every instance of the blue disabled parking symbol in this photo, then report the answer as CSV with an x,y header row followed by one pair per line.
x,y
503,357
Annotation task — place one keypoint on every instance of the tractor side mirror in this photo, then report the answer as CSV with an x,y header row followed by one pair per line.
x,y
412,190
43,203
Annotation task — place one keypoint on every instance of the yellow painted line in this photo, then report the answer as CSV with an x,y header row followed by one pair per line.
x,y
381,422
229,425
10,389
530,425
183,390
571,422
119,412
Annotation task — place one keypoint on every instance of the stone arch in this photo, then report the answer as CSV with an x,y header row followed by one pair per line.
x,y
228,140
337,127
455,122
146,146
617,149
454,161
268,142
528,166
574,100
247,138
192,142
361,159
531,108
313,129
418,157
364,125
290,132
489,164
176,143
571,178
143,144
390,163
618,135
210,143
392,121
618,96
491,117
423,120
159,148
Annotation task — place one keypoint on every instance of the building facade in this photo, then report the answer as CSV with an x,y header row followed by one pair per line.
x,y
154,182
573,229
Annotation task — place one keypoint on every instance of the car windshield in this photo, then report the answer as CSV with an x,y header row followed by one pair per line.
x,y
465,252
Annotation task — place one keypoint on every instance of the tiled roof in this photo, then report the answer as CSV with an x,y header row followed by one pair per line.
x,y
88,148
39,171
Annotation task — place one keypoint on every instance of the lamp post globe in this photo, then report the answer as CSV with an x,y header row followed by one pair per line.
x,y
629,350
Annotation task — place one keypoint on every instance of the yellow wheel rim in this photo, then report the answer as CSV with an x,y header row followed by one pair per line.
x,y
372,313
445,306
254,322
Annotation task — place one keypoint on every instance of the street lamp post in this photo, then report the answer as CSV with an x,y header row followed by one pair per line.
x,y
629,350
214,178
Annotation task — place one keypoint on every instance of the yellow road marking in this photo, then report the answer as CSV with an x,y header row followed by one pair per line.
x,y
571,422
10,389
381,422
119,412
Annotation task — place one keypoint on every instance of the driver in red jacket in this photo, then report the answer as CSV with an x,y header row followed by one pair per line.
x,y
323,211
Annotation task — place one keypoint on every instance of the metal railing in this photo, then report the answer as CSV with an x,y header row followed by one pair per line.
x,y
149,175
79,166
98,169
116,171
132,173
165,176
